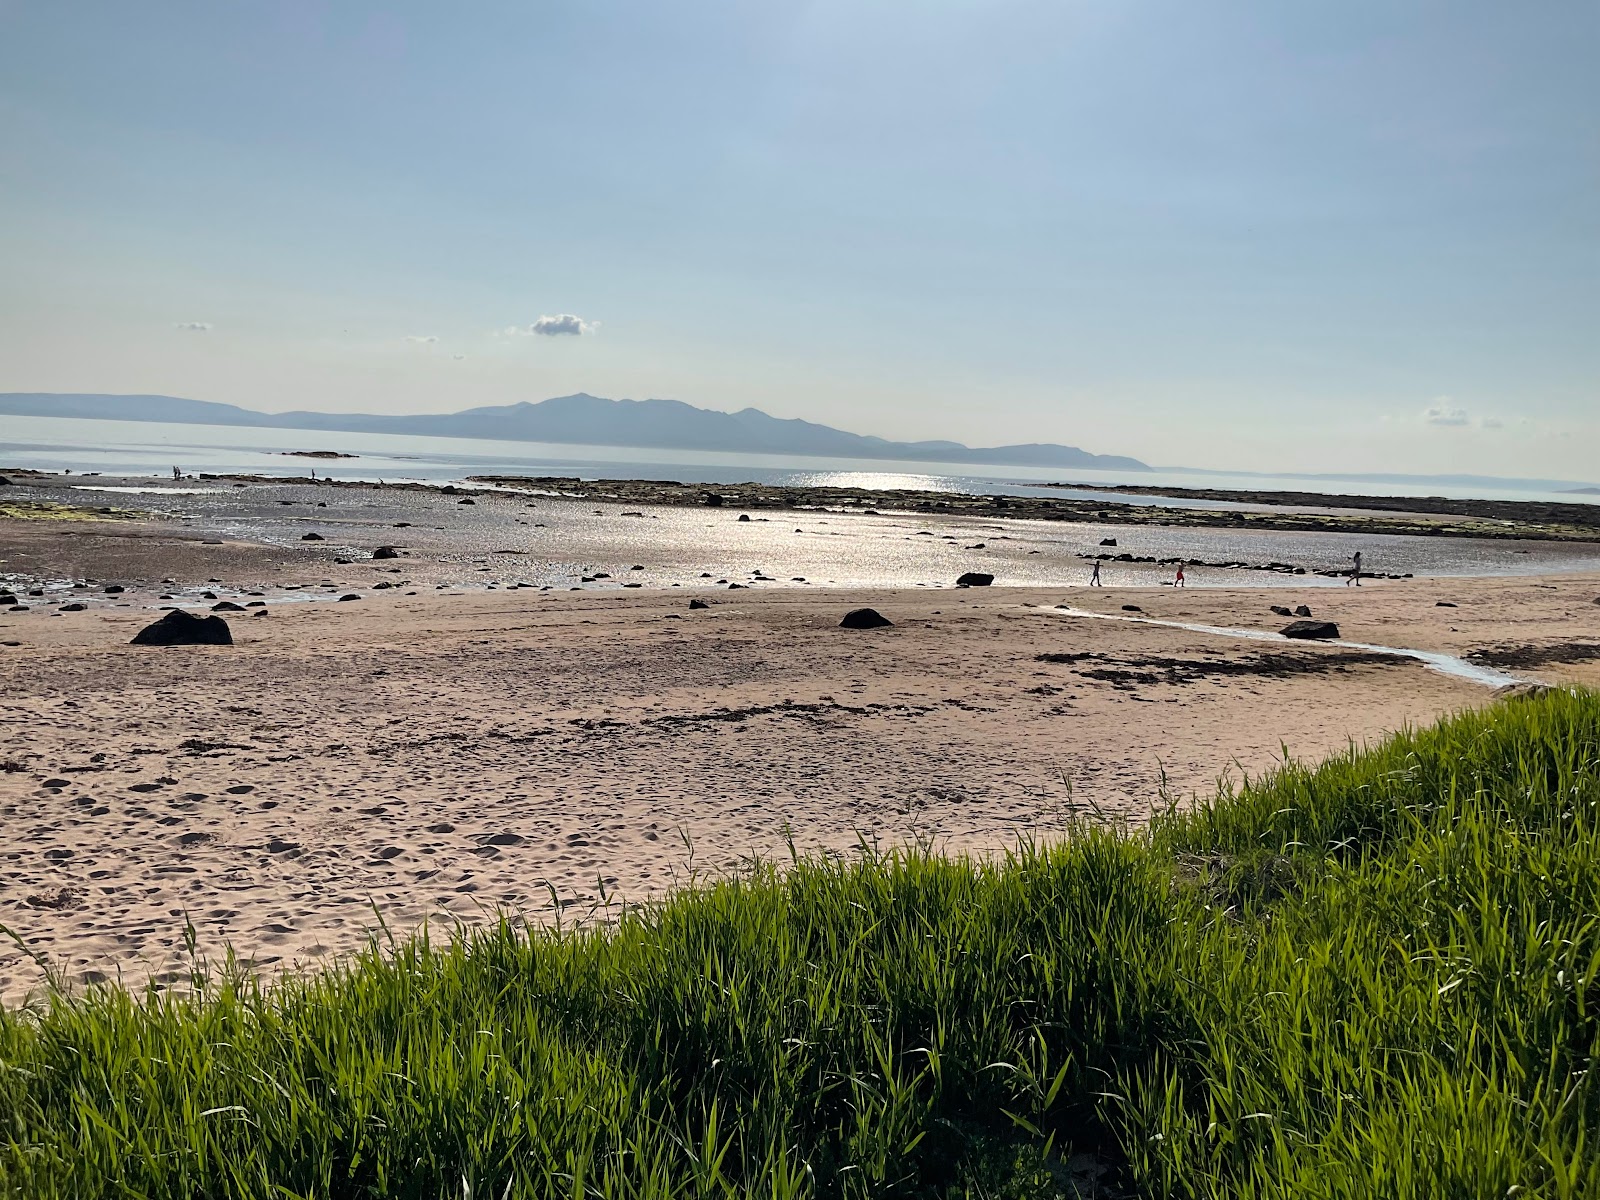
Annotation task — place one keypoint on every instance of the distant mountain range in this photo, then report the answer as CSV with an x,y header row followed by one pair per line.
x,y
581,419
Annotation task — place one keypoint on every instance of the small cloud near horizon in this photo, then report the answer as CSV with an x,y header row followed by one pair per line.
x,y
1447,414
555,326
194,326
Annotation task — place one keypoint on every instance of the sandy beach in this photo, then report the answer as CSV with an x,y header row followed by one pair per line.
x,y
440,754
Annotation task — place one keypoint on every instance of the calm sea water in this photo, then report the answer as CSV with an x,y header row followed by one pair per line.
x,y
147,448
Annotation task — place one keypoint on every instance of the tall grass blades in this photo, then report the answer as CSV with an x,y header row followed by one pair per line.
x,y
1375,978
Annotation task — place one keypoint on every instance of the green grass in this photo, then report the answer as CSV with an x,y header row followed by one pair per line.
x,y
1375,978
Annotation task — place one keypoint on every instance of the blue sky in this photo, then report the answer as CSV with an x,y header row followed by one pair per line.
x,y
1358,236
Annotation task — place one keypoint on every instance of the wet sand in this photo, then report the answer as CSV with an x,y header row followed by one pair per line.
x,y
443,755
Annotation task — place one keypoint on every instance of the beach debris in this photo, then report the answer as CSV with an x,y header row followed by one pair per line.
x,y
975,579
180,628
386,552
312,537
1310,630
864,618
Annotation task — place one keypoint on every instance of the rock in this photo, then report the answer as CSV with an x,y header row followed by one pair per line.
x,y
18,608
350,596
711,499
1108,541
112,589
227,606
449,489
1310,630
864,618
467,500
735,586
1281,611
1302,611
636,567
256,604
975,579
1131,608
261,612
1448,604
698,604
312,537
384,585
179,628
386,552
744,516
74,607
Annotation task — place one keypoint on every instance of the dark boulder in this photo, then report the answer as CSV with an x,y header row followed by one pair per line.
x,y
744,516
312,537
864,618
227,606
975,579
1108,541
179,628
1310,630
350,596
698,604
1281,611
1449,604
73,607
468,500
1131,608
711,499
111,589
1302,611
386,552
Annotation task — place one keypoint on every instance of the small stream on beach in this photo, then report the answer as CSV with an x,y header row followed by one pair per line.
x,y
1445,664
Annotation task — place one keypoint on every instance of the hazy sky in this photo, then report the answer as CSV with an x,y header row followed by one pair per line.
x,y
1265,235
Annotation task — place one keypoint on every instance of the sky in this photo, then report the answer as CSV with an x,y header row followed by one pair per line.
x,y
1355,236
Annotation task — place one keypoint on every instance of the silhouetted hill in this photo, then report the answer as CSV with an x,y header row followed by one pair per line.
x,y
582,419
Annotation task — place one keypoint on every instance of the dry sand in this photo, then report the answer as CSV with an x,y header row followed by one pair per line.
x,y
441,756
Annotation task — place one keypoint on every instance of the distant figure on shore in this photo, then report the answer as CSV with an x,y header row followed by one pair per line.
x,y
177,474
1355,571
1178,582
1094,579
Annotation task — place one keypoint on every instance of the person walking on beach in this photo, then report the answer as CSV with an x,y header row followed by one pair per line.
x,y
1355,572
1178,582
1094,579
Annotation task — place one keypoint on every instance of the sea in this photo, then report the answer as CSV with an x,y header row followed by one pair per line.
x,y
139,448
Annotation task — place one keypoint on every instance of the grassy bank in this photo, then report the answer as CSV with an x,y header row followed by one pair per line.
x,y
1376,978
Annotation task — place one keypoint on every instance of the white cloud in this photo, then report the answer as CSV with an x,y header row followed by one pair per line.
x,y
1446,413
423,339
458,357
554,326
194,326
1443,412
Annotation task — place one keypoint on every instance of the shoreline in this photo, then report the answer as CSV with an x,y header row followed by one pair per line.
x,y
1345,513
